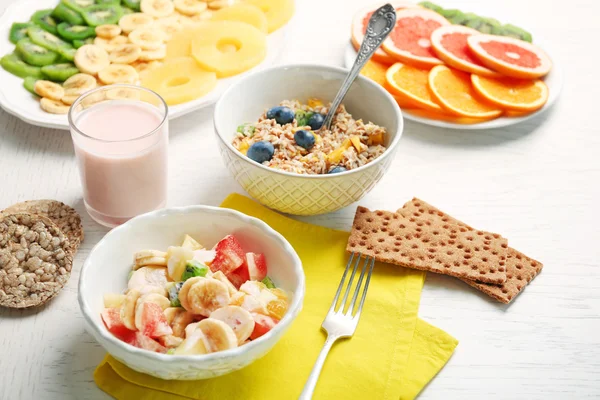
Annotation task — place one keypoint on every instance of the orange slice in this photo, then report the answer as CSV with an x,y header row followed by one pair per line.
x,y
375,70
450,45
516,114
444,116
410,42
453,90
410,86
509,56
512,94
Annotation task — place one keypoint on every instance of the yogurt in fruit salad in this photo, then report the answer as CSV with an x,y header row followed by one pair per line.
x,y
191,300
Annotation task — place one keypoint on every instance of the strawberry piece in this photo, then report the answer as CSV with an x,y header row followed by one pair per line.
x,y
229,255
262,325
239,276
257,266
147,343
112,319
153,322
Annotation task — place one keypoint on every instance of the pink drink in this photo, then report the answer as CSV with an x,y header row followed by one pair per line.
x,y
121,149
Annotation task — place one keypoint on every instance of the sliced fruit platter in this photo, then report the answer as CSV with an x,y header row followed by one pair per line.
x,y
457,69
188,51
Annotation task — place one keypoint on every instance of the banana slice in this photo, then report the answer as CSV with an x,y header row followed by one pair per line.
x,y
168,26
91,59
171,313
189,330
195,343
218,4
108,31
50,90
190,7
141,66
218,335
131,22
110,44
148,38
79,84
206,296
113,300
238,319
123,93
149,261
53,106
157,8
152,55
149,279
170,341
118,73
181,322
220,276
183,292
149,253
155,298
128,308
125,53
203,16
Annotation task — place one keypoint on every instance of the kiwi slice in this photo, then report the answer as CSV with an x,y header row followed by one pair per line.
x,y
488,25
60,72
74,32
426,4
472,20
46,39
13,64
78,5
118,2
66,14
78,43
102,14
127,10
44,20
516,32
133,4
67,53
29,84
34,54
455,16
18,31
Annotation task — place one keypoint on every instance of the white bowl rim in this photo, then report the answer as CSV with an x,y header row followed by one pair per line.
x,y
317,67
293,310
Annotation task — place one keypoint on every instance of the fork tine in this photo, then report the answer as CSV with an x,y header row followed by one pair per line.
x,y
343,302
339,289
358,285
364,293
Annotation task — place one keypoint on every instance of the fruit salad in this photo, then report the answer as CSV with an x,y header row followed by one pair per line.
x,y
289,137
192,300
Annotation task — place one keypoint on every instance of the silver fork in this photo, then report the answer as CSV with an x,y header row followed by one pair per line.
x,y
339,324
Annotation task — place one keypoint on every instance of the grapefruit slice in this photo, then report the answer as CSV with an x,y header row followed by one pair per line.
x,y
509,56
409,85
441,116
512,94
450,44
410,42
359,27
453,90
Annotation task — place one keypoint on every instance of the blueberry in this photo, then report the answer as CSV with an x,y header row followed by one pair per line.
x,y
282,115
316,121
304,139
261,152
337,170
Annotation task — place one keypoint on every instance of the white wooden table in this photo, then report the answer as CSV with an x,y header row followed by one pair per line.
x,y
536,183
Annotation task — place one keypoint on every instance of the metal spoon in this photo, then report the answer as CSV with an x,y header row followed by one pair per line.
x,y
380,25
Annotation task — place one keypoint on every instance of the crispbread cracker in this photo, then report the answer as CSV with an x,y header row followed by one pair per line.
x,y
67,219
35,260
426,245
520,269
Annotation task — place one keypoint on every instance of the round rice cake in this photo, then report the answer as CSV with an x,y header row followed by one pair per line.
x,y
64,216
35,260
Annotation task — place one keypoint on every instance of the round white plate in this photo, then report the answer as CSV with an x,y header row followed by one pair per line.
x,y
19,102
553,80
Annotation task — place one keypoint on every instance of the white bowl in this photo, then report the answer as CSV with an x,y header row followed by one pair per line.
x,y
293,193
106,269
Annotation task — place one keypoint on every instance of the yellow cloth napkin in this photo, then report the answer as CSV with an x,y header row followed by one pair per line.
x,y
392,355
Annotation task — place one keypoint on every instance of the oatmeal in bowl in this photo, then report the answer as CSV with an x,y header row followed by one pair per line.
x,y
289,137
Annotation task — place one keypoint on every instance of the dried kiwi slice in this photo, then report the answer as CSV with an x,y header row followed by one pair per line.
x,y
18,31
488,25
133,4
431,6
60,72
78,5
34,54
64,13
44,20
74,32
46,39
13,64
102,14
516,32
78,43
29,84
108,2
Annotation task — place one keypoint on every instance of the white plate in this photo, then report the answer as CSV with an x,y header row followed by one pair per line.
x,y
19,102
553,80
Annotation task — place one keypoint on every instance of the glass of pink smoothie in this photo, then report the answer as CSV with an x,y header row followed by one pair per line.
x,y
121,134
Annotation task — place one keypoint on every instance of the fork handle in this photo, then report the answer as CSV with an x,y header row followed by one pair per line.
x,y
309,387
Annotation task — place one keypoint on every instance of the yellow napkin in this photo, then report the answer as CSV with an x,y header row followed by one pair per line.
x,y
392,355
